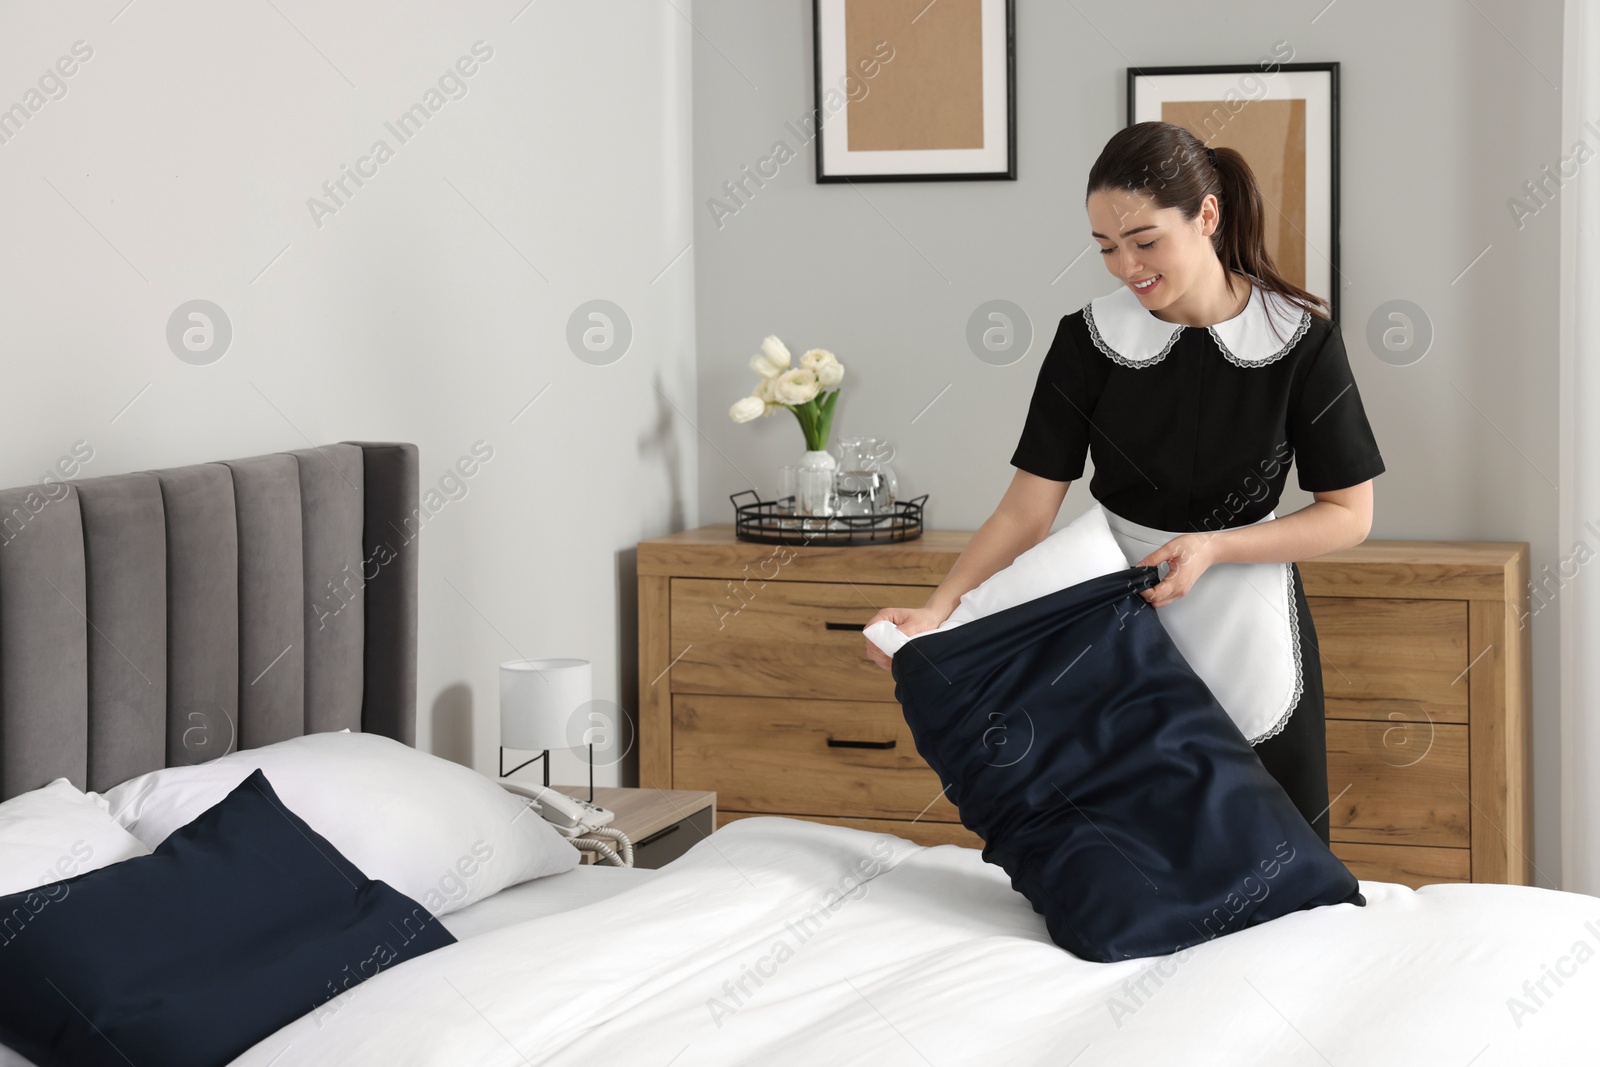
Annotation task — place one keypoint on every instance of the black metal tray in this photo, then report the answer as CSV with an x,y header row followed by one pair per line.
x,y
762,522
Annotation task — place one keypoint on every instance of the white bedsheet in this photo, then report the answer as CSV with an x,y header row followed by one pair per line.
x,y
550,895
936,960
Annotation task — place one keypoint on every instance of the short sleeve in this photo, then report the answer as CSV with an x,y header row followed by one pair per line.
x,y
1055,437
1327,425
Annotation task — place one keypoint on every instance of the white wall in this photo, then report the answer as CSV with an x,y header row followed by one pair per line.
x,y
431,307
1446,110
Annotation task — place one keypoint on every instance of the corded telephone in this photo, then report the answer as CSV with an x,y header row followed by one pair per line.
x,y
570,816
584,823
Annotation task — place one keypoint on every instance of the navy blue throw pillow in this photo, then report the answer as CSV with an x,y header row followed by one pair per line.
x,y
238,924
1104,777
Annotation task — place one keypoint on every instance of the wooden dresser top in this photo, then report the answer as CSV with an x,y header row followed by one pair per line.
x,y
1466,570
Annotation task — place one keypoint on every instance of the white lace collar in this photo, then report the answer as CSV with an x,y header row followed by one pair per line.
x,y
1128,334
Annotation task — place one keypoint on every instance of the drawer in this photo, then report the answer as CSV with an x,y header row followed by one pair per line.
x,y
670,842
1398,783
1411,865
921,831
804,757
780,639
1381,656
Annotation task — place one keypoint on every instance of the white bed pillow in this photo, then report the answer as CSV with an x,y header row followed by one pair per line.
x,y
440,833
56,832
1083,549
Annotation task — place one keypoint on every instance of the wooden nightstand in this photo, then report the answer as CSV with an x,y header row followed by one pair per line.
x,y
661,823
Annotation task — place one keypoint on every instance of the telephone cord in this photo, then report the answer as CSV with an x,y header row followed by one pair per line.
x,y
592,839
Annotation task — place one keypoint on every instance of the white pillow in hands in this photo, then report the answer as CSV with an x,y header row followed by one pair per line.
x,y
442,834
57,832
1083,549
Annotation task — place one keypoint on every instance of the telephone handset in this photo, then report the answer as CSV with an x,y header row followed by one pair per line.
x,y
570,816
582,823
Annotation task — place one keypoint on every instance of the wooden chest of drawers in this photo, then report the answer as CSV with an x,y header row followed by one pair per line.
x,y
1425,659
753,683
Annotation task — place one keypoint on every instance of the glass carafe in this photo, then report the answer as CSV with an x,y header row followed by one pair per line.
x,y
865,483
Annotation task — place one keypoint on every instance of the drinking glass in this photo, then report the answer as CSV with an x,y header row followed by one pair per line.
x,y
786,489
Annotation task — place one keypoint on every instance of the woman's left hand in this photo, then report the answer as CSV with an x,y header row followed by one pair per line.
x,y
1188,556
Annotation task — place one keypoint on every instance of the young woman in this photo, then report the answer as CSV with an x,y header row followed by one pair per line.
x,y
1194,385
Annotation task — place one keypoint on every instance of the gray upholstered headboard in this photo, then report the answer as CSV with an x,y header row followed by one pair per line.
x,y
165,617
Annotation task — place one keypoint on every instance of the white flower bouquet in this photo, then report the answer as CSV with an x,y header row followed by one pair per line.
x,y
810,390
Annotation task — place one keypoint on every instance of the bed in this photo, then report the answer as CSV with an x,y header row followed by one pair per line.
x,y
243,604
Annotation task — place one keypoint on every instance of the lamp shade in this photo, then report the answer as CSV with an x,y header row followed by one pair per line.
x,y
538,698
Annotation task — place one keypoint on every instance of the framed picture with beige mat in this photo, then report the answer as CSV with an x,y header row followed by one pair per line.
x,y
1284,119
915,90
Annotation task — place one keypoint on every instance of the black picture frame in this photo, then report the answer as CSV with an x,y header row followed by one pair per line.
x,y
1008,174
1331,69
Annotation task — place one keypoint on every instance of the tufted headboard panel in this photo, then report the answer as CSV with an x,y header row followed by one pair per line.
x,y
167,617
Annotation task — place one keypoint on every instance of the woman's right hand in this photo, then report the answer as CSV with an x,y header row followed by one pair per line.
x,y
909,621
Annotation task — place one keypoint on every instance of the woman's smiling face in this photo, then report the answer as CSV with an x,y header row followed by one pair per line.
x,y
1155,246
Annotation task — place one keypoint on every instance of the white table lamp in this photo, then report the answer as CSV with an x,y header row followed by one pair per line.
x,y
538,701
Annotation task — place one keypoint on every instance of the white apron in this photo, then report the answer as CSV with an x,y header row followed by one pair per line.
x,y
1238,629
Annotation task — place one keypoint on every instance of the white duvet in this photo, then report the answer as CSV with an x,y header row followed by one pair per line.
x,y
777,941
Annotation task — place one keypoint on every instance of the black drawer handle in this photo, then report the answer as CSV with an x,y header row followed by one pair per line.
x,y
834,742
657,836
856,626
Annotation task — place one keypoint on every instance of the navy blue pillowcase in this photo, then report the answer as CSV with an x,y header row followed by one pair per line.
x,y
1104,777
238,924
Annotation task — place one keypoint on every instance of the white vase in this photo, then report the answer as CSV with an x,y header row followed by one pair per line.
x,y
813,483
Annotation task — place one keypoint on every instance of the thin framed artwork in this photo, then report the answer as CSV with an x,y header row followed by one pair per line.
x,y
913,90
1284,119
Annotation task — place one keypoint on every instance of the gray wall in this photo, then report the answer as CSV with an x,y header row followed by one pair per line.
x,y
1447,109
431,307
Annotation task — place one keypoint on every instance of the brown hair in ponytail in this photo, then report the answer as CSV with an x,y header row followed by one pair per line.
x,y
1169,164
